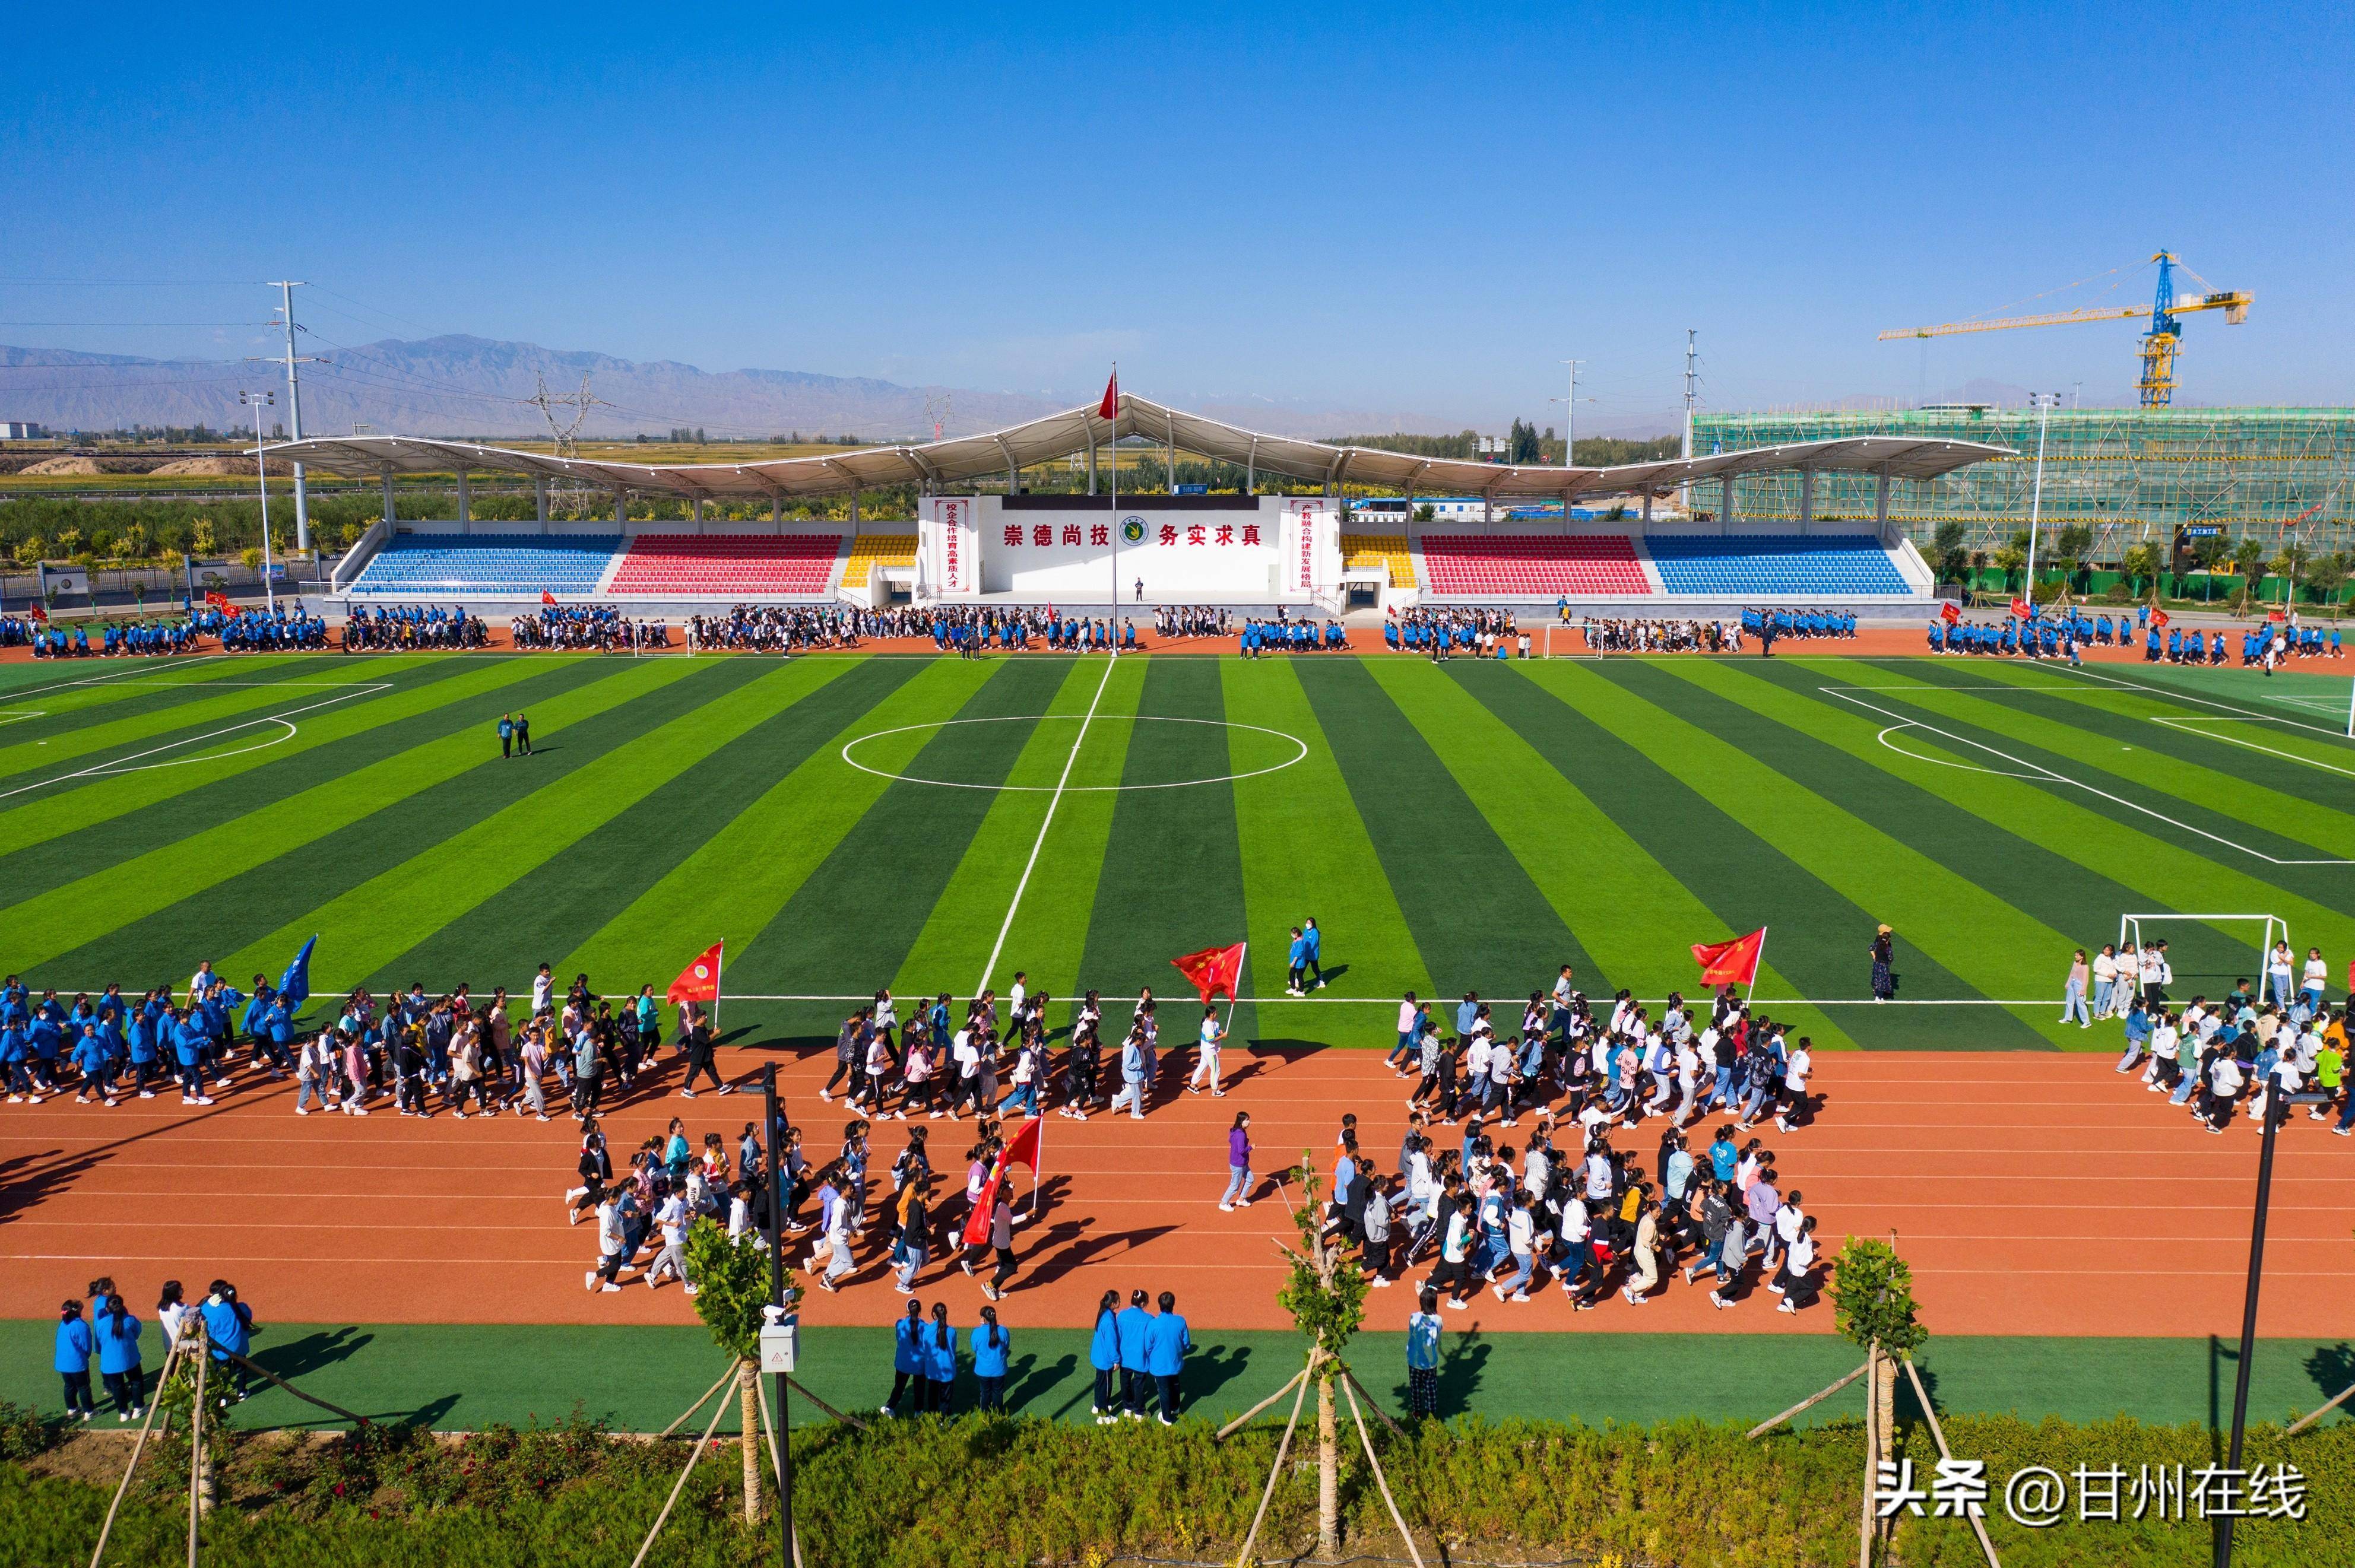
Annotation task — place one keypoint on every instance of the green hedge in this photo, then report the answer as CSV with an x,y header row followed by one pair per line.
x,y
992,1491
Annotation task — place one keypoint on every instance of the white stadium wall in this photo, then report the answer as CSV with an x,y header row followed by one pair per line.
x,y
1226,549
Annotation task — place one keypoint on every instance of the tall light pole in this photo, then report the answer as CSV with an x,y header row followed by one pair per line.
x,y
2045,403
258,401
1570,421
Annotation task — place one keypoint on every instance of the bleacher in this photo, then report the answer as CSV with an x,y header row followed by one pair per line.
x,y
727,565
1754,566
1533,564
1378,553
869,551
519,565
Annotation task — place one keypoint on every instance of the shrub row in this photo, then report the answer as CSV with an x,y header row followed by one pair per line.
x,y
992,1491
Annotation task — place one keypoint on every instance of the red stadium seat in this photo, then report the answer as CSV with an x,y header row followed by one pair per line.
x,y
731,566
1533,564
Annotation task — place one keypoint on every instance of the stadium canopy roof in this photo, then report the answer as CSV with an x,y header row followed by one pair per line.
x,y
938,466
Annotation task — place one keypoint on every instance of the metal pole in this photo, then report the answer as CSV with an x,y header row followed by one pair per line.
x,y
2249,1305
1116,497
294,420
2044,401
775,1130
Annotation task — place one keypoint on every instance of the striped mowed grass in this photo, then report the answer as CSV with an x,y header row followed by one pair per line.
x,y
847,821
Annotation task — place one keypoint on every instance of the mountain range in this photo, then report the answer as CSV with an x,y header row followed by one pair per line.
x,y
464,385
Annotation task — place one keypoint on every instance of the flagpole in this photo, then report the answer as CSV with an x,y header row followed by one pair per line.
x,y
1040,1159
1237,985
1114,613
719,967
1757,962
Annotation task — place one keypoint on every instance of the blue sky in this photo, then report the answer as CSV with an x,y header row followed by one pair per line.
x,y
1421,212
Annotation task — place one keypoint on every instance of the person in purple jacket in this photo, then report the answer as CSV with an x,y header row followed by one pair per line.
x,y
1239,1173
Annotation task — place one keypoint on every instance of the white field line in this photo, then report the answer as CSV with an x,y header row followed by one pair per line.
x,y
1040,842
2188,726
2174,696
109,680
122,764
2043,774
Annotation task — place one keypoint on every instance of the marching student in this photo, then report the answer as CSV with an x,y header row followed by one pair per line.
x,y
1211,1036
1238,1171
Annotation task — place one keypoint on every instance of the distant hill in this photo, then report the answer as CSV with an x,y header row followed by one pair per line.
x,y
463,386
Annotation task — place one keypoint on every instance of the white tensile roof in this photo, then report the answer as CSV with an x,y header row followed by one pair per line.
x,y
963,459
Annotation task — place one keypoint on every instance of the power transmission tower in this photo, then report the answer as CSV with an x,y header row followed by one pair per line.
x,y
294,405
936,411
579,402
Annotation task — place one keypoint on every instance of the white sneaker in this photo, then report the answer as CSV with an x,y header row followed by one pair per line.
x,y
590,1279
1226,1208
1455,1306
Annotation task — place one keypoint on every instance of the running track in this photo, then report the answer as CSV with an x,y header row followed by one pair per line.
x,y
2032,1194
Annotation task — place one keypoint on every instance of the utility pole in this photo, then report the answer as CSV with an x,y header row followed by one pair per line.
x,y
2045,403
1692,401
293,406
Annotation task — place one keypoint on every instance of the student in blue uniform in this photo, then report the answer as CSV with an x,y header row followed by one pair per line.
x,y
990,1344
1166,1344
229,1328
940,1360
1103,1357
117,1332
74,1347
907,1358
1134,1366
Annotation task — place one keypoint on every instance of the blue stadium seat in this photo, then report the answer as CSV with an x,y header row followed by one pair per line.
x,y
1744,566
523,565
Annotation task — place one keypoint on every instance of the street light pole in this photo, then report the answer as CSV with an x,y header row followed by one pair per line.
x,y
2045,403
256,401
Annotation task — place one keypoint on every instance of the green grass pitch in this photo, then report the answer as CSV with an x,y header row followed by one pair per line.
x,y
851,821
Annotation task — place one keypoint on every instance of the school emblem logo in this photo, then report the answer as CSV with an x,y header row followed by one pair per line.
x,y
703,971
1132,530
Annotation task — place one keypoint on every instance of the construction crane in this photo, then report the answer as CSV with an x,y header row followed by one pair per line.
x,y
2158,343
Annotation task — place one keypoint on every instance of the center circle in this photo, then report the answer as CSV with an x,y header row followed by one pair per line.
x,y
1300,751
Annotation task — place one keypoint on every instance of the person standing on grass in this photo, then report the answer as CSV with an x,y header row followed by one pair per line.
x,y
1166,1344
117,1332
523,734
1423,1358
1104,1358
228,1327
1238,1171
1884,953
907,1359
506,734
1212,1035
1296,970
940,1360
74,1347
1130,1329
1312,942
990,1344
2072,991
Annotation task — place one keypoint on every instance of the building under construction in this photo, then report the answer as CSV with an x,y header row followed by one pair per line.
x,y
2128,474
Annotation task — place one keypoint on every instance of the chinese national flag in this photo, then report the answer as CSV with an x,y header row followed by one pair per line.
x,y
217,601
699,982
1212,970
2158,619
1109,408
39,613
2020,607
1730,963
1949,613
2276,615
546,597
1022,1149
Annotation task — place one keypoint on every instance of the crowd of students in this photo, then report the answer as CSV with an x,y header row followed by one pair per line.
x,y
776,629
1258,636
110,1336
2214,1056
1770,625
1444,633
600,628
1174,620
373,628
273,630
1634,636
141,639
969,637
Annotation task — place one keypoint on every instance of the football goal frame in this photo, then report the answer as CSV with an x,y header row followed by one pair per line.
x,y
2131,928
1567,639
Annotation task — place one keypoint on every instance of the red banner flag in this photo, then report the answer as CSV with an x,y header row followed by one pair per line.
x,y
2276,615
1109,408
699,982
1212,970
1022,1149
219,600
1730,963
39,613
1949,612
976,1223
2021,608
2158,619
546,597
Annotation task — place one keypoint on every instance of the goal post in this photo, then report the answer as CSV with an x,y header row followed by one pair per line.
x,y
2204,950
1568,639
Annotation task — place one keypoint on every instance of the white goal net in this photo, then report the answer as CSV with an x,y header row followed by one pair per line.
x,y
2209,954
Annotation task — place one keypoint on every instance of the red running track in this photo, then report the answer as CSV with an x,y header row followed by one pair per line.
x,y
2032,1194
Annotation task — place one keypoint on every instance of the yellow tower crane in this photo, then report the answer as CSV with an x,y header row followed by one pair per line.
x,y
2159,342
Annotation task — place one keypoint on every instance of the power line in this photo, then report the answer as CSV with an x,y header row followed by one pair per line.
x,y
137,324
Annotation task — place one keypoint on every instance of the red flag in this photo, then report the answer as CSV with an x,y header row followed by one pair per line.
x,y
1949,612
976,1223
2158,619
699,982
1109,408
1022,1149
41,613
2021,608
1730,963
219,600
1212,970
546,597
2276,615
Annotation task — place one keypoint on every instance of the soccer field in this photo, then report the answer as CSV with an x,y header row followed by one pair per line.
x,y
849,821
